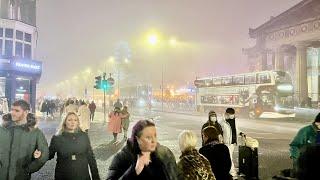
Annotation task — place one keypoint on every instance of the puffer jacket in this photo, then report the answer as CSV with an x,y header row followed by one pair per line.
x,y
305,137
17,145
194,166
123,164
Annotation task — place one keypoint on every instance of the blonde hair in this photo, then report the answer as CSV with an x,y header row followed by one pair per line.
x,y
187,140
62,125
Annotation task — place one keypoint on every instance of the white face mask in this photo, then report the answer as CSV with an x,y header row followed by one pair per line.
x,y
213,118
231,116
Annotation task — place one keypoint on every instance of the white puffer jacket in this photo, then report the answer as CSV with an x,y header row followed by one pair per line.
x,y
227,131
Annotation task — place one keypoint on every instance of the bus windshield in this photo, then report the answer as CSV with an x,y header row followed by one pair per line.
x,y
282,77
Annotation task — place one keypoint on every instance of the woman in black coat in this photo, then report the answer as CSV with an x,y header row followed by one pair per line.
x,y
143,157
217,153
74,152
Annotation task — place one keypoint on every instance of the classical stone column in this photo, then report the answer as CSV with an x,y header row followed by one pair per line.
x,y
264,60
301,88
279,60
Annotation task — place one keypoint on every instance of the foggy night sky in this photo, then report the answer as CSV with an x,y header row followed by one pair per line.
x,y
76,34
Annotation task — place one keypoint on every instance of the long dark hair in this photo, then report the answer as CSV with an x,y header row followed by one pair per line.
x,y
137,132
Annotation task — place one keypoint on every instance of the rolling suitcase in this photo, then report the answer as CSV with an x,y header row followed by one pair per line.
x,y
248,162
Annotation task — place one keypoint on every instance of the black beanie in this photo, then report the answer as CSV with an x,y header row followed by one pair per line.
x,y
212,113
230,111
317,119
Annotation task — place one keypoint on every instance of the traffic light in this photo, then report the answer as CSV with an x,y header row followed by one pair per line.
x,y
105,85
98,82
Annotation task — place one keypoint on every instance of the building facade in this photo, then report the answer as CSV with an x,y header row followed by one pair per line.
x,y
19,71
291,42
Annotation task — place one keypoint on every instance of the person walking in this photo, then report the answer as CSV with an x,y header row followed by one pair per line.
x,y
125,115
84,117
23,147
114,125
74,151
92,108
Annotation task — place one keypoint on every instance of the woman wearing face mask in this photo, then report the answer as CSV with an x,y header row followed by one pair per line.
x,y
213,121
74,152
143,157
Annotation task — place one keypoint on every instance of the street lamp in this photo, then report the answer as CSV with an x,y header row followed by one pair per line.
x,y
153,40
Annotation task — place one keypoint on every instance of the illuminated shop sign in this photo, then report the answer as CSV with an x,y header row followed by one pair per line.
x,y
27,66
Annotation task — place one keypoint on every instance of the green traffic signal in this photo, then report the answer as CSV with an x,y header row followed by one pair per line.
x,y
105,85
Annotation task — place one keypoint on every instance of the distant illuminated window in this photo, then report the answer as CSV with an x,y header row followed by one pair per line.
x,y
19,35
8,48
27,51
19,49
27,37
9,33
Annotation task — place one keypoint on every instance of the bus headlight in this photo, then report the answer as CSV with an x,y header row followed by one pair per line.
x,y
285,87
277,108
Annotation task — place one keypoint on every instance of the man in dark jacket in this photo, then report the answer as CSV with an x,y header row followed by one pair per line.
x,y
92,107
24,149
213,121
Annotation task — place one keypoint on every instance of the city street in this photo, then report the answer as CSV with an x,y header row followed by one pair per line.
x,y
274,137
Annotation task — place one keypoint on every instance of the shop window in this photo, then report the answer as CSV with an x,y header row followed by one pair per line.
x,y
19,35
9,33
8,48
1,32
19,49
27,37
27,51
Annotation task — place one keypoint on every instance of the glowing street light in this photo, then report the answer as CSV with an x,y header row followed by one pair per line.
x,y
173,42
153,39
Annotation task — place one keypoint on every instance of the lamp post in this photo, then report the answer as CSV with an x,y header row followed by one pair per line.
x,y
153,40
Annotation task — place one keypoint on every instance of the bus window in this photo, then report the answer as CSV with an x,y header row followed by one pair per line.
x,y
250,79
263,78
208,82
216,81
226,80
282,77
238,80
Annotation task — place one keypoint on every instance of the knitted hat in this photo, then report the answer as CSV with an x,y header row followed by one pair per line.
x,y
212,113
230,111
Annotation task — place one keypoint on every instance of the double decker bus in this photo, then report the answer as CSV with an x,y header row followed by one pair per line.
x,y
250,94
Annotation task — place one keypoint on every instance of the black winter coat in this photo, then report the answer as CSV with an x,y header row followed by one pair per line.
x,y
74,154
219,158
123,164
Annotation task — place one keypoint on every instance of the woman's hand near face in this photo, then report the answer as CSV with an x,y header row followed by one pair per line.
x,y
143,160
37,154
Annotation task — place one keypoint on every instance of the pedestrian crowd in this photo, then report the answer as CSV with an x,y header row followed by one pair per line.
x,y
24,149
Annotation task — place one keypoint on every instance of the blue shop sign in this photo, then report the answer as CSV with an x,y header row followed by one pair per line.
x,y
28,66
